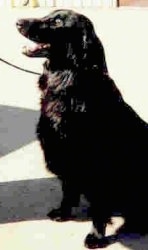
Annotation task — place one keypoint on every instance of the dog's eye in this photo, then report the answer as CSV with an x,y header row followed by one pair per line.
x,y
58,22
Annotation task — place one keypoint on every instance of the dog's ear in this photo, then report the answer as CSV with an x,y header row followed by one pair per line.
x,y
94,55
89,35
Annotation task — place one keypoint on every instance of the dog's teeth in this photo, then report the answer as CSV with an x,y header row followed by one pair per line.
x,y
46,46
24,50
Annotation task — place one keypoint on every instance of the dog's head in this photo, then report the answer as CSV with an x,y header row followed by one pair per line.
x,y
65,37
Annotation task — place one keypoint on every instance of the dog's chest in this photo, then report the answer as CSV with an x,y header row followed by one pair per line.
x,y
59,97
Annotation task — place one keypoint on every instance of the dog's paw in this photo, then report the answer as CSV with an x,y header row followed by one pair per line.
x,y
60,214
92,242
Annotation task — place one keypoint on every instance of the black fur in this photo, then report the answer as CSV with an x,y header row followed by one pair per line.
x,y
92,140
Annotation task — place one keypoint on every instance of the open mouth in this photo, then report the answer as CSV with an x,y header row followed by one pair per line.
x,y
37,50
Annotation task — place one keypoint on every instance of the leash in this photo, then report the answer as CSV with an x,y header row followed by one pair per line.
x,y
17,67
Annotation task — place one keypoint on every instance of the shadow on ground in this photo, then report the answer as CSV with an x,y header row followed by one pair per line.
x,y
32,199
17,128
134,242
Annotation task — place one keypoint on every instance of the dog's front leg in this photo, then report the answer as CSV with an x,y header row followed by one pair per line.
x,y
71,197
96,238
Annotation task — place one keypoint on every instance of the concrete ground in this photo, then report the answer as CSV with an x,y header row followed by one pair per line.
x,y
27,190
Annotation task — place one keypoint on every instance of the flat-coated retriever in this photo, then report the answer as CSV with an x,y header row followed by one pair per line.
x,y
92,140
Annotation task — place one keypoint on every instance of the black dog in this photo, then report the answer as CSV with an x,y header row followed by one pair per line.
x,y
92,140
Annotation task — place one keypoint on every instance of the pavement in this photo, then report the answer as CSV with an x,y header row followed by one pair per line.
x,y
27,190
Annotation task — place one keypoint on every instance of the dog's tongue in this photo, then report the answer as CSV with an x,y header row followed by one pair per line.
x,y
33,51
